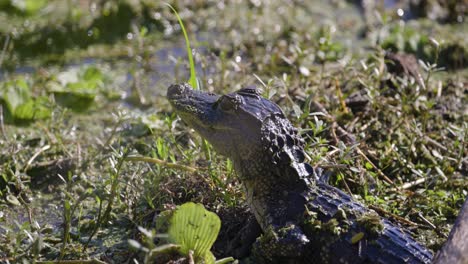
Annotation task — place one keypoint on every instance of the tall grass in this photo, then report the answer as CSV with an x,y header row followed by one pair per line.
x,y
193,75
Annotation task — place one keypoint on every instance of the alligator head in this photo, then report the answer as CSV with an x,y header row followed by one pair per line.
x,y
252,131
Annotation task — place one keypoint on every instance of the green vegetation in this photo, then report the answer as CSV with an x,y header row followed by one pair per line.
x,y
91,154
23,7
193,76
195,228
19,105
192,229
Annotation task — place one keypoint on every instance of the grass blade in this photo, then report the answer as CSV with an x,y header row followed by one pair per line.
x,y
193,75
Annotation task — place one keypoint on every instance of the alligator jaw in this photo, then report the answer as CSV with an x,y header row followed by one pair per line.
x,y
194,104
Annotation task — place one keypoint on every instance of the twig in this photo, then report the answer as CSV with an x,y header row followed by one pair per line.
x,y
30,161
2,126
394,216
98,225
25,204
5,46
410,184
331,166
114,130
333,132
87,261
375,167
162,162
137,86
427,221
343,134
434,143
347,187
190,257
114,189
225,260
431,225
340,96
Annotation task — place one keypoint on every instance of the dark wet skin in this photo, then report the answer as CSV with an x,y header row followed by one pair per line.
x,y
303,219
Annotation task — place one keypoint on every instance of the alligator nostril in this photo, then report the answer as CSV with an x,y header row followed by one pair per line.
x,y
175,90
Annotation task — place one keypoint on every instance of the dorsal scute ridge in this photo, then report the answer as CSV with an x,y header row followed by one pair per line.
x,y
282,141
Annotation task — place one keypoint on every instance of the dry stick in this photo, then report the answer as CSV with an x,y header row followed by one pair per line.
x,y
190,257
137,87
98,225
394,216
332,166
78,153
427,138
347,187
88,261
410,184
162,163
436,229
427,221
388,180
340,96
113,132
434,143
25,204
1,122
52,139
5,46
333,132
334,125
31,160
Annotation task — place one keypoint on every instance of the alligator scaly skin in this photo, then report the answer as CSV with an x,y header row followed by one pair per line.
x,y
303,219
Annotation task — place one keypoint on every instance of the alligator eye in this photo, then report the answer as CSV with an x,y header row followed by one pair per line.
x,y
251,91
229,102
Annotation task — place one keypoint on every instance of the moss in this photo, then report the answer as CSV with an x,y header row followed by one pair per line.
x,y
371,222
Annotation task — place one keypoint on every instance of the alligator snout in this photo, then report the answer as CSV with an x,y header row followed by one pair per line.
x,y
176,90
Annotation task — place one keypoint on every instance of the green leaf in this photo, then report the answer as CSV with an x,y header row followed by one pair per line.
x,y
29,7
225,260
25,111
33,110
209,258
13,200
20,105
15,93
92,74
357,237
193,75
134,244
194,228
33,6
41,108
77,89
82,88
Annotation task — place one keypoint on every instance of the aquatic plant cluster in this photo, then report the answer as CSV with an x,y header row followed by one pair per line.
x,y
94,163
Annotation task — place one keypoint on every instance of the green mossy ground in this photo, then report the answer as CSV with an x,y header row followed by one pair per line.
x,y
69,189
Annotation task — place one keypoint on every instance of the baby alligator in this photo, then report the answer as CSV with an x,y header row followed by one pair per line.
x,y
303,219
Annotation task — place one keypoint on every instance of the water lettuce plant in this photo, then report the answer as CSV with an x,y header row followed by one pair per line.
x,y
195,228
18,103
77,89
24,7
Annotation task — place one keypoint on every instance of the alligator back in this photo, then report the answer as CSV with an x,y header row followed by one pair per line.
x,y
347,232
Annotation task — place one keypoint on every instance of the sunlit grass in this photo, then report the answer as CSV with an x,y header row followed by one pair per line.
x,y
193,75
416,137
